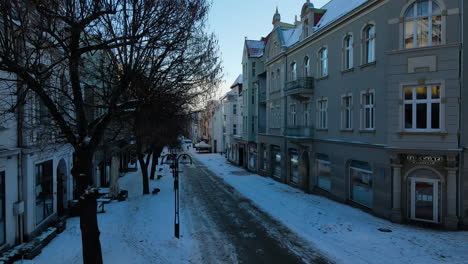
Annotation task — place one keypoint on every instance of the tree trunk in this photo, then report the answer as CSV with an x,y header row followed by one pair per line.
x,y
156,155
144,172
88,208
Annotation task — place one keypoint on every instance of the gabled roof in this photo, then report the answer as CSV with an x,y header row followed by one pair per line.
x,y
255,48
237,82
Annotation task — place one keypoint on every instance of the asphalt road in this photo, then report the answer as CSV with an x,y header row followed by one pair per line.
x,y
232,229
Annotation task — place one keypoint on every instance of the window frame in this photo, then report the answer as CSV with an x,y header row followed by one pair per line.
x,y
322,113
306,66
293,115
414,19
364,108
367,40
293,70
347,112
323,70
348,52
428,101
40,170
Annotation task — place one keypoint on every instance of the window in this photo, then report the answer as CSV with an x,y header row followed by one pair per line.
x,y
292,112
294,166
422,107
44,191
234,109
369,44
2,209
322,114
253,124
234,129
306,114
276,161
323,171
368,111
277,87
423,24
323,63
346,115
361,183
253,68
348,52
306,67
293,71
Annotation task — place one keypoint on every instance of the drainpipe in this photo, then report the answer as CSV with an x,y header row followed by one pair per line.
x,y
460,119
19,144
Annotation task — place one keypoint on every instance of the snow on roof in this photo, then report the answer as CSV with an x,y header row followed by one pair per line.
x,y
292,36
255,48
238,81
336,9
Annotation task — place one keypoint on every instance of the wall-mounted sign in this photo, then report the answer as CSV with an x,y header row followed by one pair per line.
x,y
424,159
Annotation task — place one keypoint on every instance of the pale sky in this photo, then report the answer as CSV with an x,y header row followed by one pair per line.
x,y
233,20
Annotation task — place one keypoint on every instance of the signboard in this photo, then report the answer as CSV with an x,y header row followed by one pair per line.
x,y
424,159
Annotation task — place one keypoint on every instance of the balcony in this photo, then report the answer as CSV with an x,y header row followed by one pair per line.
x,y
299,131
302,87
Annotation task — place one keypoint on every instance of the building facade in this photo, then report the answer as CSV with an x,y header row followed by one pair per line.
x,y
358,117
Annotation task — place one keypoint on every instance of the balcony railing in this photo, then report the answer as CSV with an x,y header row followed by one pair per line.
x,y
301,85
299,131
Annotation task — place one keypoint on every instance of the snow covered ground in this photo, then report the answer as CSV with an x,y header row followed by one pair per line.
x,y
346,234
139,230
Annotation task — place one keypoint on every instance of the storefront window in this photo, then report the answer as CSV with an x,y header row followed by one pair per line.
x,y
323,172
294,166
2,208
361,183
276,161
44,191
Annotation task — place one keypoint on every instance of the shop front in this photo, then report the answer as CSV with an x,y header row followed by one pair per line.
x,y
276,158
428,189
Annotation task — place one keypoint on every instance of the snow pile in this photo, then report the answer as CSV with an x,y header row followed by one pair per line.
x,y
343,232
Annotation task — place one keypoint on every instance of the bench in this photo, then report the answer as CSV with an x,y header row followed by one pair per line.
x,y
101,202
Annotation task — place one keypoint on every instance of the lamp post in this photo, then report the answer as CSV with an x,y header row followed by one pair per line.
x,y
174,165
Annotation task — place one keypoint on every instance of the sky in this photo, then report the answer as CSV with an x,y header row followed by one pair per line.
x,y
233,20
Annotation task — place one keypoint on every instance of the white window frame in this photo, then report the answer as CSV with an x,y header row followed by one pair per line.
x,y
346,112
348,52
369,44
368,107
428,101
322,113
293,71
323,62
293,115
415,18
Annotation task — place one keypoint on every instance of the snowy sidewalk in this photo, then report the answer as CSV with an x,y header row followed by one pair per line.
x,y
138,230
346,234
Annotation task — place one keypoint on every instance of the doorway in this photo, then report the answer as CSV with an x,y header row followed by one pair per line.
x,y
61,187
241,156
215,143
425,200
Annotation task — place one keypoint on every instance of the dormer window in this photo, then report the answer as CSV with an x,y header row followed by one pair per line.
x,y
423,24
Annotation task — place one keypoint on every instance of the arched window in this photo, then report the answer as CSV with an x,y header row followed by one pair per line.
x,y
293,71
323,63
306,66
348,52
369,44
423,24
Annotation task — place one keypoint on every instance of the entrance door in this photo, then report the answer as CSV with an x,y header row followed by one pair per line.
x,y
425,200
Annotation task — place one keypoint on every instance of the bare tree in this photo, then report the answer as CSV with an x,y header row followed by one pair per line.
x,y
77,60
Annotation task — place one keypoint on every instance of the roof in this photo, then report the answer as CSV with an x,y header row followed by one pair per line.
x,y
255,48
238,81
337,9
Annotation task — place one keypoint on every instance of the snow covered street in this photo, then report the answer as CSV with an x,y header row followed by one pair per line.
x,y
344,233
